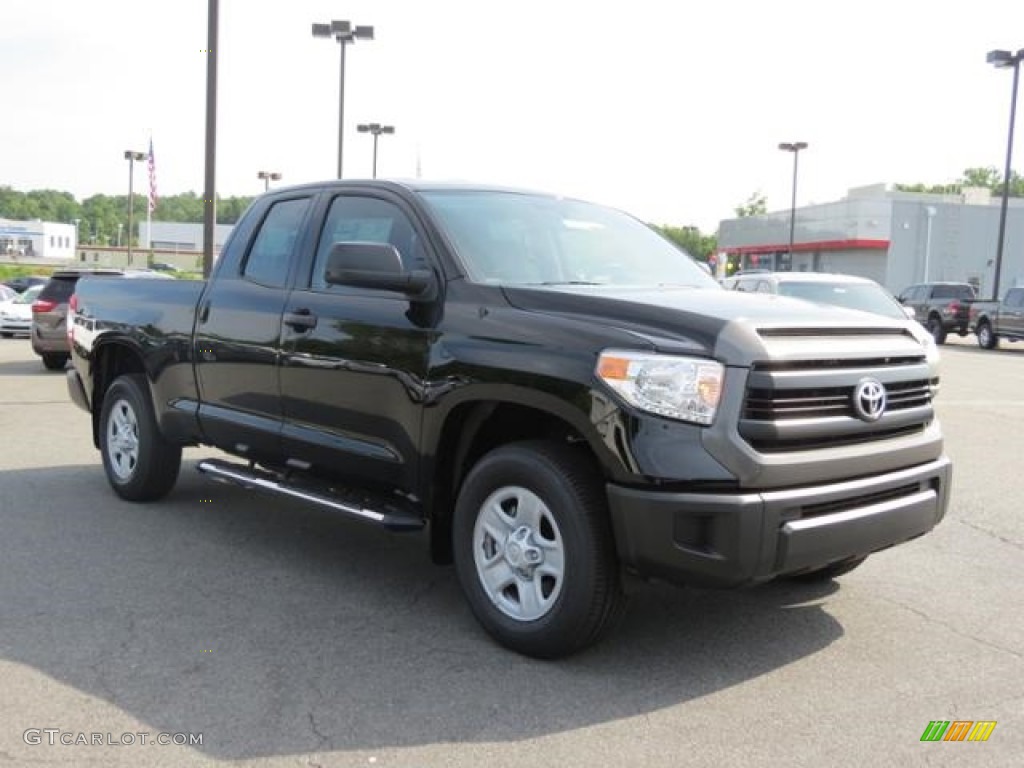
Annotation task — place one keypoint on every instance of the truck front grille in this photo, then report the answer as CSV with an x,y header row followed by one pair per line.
x,y
808,404
778,405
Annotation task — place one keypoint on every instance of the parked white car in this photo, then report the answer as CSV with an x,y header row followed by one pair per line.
x,y
16,314
846,291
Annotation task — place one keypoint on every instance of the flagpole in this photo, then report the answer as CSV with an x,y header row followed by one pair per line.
x,y
151,165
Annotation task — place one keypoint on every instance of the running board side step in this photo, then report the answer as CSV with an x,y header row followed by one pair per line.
x,y
383,512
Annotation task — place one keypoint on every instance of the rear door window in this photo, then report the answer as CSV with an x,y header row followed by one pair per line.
x,y
952,292
270,256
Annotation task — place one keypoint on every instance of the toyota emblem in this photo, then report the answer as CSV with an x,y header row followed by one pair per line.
x,y
869,399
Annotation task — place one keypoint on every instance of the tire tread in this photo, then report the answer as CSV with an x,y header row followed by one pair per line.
x,y
582,480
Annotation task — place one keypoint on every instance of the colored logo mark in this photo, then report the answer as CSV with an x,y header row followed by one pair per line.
x,y
958,730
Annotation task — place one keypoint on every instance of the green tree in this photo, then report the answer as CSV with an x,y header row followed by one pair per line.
x,y
987,178
690,239
103,217
46,204
756,205
230,209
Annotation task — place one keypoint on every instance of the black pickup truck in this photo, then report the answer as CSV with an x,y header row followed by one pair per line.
x,y
994,320
942,308
557,394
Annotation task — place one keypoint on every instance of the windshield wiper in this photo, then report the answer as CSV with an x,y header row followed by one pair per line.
x,y
568,282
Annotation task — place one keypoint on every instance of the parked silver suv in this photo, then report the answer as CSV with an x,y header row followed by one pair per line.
x,y
50,312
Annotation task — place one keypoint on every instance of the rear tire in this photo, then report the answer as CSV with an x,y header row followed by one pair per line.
x,y
55,361
829,572
935,328
534,550
141,465
986,339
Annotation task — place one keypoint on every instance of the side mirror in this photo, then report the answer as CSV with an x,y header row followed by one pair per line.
x,y
377,266
910,313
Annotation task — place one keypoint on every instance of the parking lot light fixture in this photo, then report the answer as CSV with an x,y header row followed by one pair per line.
x,y
267,177
376,129
344,32
795,148
1005,60
131,157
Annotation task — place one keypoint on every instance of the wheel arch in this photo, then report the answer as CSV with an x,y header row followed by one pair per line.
x,y
471,429
110,360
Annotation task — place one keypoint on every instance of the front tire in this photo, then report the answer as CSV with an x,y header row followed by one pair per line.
x,y
986,339
935,328
534,550
141,465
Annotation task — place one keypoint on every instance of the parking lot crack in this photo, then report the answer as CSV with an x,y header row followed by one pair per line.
x,y
954,630
99,667
422,592
323,740
993,534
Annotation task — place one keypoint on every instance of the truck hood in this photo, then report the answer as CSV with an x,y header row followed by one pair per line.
x,y
730,325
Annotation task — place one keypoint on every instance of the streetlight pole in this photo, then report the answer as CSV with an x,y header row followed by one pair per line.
x,y
267,177
1004,60
344,33
376,129
131,157
930,210
795,148
210,151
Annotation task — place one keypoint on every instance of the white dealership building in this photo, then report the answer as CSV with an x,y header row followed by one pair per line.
x,y
36,241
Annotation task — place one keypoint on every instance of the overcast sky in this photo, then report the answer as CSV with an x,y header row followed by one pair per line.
x,y
671,110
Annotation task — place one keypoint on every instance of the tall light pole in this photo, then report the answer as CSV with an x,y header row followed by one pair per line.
x,y
267,177
210,150
795,148
930,211
376,129
344,33
1004,60
131,157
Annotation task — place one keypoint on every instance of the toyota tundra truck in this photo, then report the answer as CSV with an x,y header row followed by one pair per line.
x,y
553,394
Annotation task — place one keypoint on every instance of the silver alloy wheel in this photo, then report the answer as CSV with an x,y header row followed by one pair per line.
x,y
519,553
123,439
985,335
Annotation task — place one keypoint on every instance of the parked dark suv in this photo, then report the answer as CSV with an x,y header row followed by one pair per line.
x,y
50,312
941,307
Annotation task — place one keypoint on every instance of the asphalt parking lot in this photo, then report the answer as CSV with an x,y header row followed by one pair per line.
x,y
285,637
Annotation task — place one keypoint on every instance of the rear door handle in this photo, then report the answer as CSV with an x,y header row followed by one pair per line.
x,y
300,320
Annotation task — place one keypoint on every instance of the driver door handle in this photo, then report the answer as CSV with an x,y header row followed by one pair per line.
x,y
300,320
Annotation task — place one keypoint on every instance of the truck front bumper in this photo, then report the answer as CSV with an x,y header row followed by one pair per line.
x,y
727,540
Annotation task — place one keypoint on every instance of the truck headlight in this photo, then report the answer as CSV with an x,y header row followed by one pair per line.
x,y
683,388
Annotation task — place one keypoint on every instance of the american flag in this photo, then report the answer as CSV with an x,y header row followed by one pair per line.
x,y
152,178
